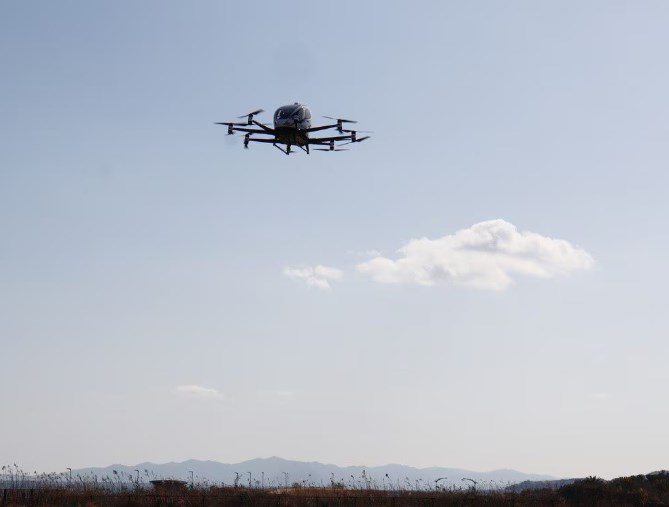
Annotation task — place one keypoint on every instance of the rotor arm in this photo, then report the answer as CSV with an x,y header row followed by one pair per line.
x,y
322,127
325,140
270,141
251,131
266,129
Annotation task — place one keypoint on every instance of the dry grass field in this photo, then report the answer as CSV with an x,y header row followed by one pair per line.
x,y
647,491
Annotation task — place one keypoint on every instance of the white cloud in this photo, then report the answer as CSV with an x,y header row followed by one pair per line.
x,y
203,393
484,256
314,276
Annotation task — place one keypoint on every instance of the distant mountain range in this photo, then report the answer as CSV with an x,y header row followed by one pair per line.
x,y
278,472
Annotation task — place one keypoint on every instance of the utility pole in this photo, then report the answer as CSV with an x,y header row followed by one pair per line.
x,y
285,476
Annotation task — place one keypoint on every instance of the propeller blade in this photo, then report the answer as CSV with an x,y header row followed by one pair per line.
x,y
356,141
328,149
342,120
359,131
252,114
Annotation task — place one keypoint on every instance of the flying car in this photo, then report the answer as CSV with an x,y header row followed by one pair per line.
x,y
292,127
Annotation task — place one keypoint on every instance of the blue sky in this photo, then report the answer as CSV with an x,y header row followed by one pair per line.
x,y
145,310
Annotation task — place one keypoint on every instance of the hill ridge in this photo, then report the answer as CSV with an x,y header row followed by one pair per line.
x,y
275,470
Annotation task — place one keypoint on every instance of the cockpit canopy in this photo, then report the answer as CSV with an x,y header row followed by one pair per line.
x,y
294,112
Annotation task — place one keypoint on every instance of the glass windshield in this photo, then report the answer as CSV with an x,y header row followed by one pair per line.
x,y
286,112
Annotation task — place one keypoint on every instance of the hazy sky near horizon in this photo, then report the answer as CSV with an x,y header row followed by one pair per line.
x,y
480,285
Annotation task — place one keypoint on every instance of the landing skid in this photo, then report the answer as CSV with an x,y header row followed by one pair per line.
x,y
288,151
